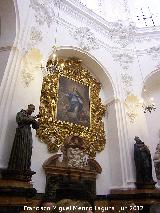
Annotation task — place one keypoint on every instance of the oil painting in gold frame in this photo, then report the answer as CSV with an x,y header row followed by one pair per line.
x,y
73,103
55,127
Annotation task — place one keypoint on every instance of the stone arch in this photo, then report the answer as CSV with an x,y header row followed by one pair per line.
x,y
111,165
92,64
152,87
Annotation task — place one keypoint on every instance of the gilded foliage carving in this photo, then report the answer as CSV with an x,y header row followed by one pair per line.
x,y
53,131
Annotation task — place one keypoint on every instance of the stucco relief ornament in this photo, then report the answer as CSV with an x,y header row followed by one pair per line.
x,y
124,59
154,52
86,38
127,81
35,37
43,12
132,104
30,64
122,34
27,77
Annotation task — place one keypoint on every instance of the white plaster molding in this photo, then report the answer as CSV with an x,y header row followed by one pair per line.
x,y
131,184
123,143
6,91
119,33
115,37
111,101
8,84
89,18
116,187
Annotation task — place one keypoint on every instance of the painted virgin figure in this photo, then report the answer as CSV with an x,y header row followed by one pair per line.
x,y
75,103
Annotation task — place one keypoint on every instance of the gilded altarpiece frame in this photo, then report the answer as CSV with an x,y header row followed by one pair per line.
x,y
53,129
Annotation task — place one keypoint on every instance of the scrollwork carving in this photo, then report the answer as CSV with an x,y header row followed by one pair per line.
x,y
132,104
35,37
154,52
127,81
86,38
50,127
122,34
44,12
124,59
115,34
29,64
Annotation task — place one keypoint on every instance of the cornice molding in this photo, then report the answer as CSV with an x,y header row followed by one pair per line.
x,y
118,38
99,24
119,33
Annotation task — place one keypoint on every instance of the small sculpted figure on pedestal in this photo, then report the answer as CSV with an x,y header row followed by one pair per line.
x,y
20,158
143,163
15,180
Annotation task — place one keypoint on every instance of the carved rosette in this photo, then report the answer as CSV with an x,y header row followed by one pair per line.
x,y
51,128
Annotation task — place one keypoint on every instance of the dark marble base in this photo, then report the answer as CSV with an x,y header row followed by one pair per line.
x,y
134,194
16,191
25,175
137,200
145,185
10,191
60,186
12,209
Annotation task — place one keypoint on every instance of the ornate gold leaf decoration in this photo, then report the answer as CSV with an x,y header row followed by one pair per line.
x,y
54,132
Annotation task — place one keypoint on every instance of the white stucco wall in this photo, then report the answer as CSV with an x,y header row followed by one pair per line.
x,y
7,32
107,55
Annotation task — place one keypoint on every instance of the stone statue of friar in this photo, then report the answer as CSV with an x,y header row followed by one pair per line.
x,y
143,162
20,158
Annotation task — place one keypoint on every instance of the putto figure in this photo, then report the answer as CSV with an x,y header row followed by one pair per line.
x,y
20,158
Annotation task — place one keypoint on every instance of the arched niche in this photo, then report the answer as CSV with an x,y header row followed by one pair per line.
x,y
91,63
7,32
151,89
111,176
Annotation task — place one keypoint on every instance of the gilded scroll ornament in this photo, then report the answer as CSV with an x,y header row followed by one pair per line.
x,y
55,128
